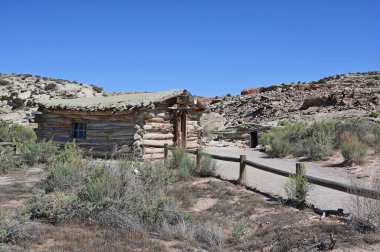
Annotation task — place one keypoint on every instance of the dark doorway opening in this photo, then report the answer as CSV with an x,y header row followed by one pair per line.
x,y
254,139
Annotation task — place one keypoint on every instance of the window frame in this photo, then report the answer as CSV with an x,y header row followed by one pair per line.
x,y
74,130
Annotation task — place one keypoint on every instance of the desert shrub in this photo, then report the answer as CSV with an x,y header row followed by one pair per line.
x,y
374,114
116,195
286,140
297,189
4,83
176,157
353,150
46,206
357,126
207,166
20,133
51,87
187,168
239,230
320,140
11,231
97,89
8,161
209,235
36,152
65,169
365,212
154,209
155,174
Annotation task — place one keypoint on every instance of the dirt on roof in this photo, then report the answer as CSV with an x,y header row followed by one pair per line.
x,y
116,102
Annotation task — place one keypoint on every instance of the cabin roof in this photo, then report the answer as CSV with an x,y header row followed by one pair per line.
x,y
115,102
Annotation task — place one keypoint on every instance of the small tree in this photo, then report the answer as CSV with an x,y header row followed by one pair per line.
x,y
297,189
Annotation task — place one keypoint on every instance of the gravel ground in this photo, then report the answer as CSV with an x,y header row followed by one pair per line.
x,y
321,197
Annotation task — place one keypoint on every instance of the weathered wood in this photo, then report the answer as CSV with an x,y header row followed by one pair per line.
x,y
243,171
166,152
150,150
153,156
157,143
156,136
198,154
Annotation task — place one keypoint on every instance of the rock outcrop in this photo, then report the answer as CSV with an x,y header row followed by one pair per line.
x,y
20,94
330,97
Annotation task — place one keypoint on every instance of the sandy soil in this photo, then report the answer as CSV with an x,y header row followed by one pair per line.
x,y
17,186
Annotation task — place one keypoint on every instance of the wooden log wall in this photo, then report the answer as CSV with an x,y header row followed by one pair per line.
x,y
143,132
194,130
105,132
158,130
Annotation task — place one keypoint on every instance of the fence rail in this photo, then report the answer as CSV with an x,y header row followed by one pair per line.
x,y
300,169
12,144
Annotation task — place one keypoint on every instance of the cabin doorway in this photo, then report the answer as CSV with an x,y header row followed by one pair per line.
x,y
181,129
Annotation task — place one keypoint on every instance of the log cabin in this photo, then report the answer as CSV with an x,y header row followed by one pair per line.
x,y
135,123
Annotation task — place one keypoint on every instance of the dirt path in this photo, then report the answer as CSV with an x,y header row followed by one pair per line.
x,y
321,197
16,187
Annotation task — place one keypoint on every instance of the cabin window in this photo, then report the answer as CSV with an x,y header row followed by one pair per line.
x,y
79,130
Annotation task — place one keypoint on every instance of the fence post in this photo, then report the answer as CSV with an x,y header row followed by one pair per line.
x,y
243,171
14,145
166,154
300,171
198,154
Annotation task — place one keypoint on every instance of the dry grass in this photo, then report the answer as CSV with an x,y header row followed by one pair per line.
x,y
268,225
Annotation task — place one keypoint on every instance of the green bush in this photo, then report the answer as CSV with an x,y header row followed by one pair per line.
x,y
239,230
154,210
97,89
320,140
207,166
357,126
51,87
354,151
187,168
297,189
176,157
20,133
8,161
36,152
117,195
11,230
155,174
374,114
4,83
287,139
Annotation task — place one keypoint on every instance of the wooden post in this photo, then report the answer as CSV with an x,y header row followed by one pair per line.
x,y
14,145
198,154
243,171
300,169
166,150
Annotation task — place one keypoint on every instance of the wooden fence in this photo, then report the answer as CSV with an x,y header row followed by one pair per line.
x,y
12,144
300,169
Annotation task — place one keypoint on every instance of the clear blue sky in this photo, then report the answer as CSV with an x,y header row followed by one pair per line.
x,y
211,47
